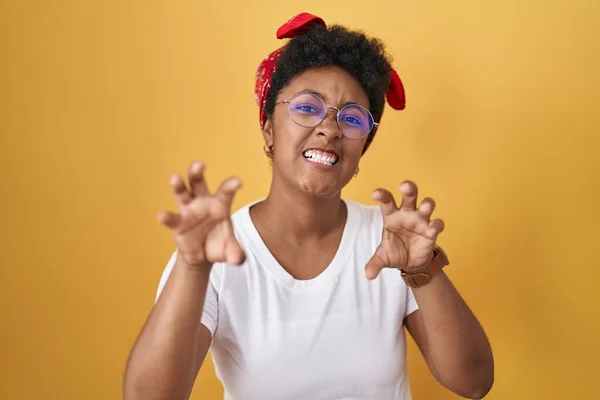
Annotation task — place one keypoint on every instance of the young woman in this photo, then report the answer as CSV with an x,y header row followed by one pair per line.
x,y
305,295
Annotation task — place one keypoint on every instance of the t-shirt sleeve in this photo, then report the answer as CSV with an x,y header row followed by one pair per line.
x,y
210,312
411,302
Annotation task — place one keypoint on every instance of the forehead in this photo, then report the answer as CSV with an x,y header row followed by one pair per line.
x,y
334,84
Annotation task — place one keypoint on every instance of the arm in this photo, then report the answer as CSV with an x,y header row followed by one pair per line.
x,y
446,331
172,346
170,349
451,339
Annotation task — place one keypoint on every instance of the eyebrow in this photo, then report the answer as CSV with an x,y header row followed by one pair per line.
x,y
310,91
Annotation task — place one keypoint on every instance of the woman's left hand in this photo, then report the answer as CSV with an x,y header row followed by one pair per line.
x,y
409,234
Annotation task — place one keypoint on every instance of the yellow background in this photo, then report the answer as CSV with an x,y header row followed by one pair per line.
x,y
101,101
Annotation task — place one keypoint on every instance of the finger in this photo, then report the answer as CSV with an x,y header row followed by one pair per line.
x,y
375,265
409,196
435,228
227,190
426,208
386,201
168,219
182,195
196,178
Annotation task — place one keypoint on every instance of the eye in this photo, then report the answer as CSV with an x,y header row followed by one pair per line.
x,y
351,120
307,109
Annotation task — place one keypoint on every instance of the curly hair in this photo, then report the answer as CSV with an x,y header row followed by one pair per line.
x,y
363,57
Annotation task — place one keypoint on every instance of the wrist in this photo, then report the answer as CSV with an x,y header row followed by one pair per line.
x,y
420,276
195,266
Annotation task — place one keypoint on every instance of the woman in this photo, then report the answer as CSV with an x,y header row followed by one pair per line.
x,y
305,295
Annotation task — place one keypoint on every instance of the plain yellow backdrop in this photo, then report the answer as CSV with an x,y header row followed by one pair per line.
x,y
101,101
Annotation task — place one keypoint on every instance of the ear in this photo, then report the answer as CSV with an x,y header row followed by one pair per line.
x,y
267,132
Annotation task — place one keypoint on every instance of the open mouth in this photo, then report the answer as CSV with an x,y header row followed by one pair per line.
x,y
321,157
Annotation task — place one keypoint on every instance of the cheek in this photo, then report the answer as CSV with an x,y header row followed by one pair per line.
x,y
353,149
289,136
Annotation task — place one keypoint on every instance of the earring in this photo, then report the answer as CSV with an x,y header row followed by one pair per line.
x,y
356,172
268,150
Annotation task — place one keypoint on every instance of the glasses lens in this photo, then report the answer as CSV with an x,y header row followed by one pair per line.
x,y
355,121
307,110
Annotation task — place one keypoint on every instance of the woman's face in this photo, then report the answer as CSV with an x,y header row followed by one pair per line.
x,y
297,149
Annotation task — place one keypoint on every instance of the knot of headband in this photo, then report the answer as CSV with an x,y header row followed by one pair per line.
x,y
296,26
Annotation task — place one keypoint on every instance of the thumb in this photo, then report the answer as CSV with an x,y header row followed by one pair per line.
x,y
234,254
376,264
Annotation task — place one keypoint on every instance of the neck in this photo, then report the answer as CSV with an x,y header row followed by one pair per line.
x,y
301,216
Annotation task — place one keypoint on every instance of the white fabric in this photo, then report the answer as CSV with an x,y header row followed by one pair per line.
x,y
337,336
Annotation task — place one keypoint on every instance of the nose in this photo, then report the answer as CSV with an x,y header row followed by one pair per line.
x,y
329,126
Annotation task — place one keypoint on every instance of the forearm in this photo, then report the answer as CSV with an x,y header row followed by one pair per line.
x,y
162,362
459,349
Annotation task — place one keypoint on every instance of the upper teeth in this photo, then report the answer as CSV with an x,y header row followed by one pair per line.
x,y
320,157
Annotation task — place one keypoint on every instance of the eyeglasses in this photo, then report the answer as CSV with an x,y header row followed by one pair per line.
x,y
309,110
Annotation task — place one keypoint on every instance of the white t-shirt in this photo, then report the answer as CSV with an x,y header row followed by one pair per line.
x,y
337,336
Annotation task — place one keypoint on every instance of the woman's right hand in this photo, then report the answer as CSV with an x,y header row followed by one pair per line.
x,y
202,228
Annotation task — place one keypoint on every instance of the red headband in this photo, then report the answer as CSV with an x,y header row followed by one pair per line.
x,y
294,27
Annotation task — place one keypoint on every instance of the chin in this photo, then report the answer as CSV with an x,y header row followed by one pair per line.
x,y
320,187
313,181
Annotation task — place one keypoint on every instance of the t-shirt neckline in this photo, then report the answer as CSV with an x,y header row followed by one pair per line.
x,y
268,261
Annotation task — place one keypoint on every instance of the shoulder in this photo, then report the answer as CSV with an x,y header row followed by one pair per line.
x,y
366,210
365,224
241,217
365,215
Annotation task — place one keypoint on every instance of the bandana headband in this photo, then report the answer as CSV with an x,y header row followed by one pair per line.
x,y
296,26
